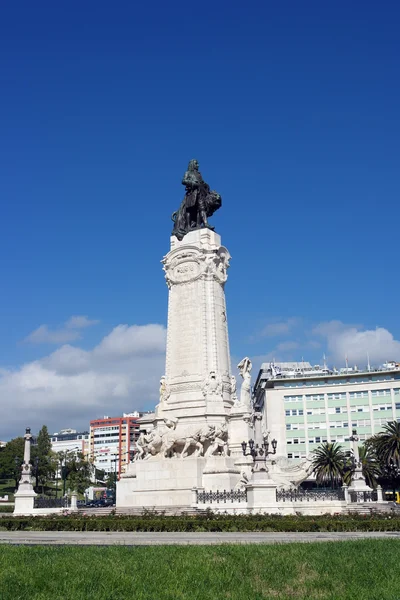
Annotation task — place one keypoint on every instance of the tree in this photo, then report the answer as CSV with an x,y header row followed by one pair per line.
x,y
111,480
80,471
329,464
42,457
387,444
371,467
11,459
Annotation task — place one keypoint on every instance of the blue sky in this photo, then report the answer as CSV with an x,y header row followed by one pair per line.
x,y
292,110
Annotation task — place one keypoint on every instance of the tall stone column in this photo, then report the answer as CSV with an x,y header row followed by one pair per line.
x,y
197,386
24,497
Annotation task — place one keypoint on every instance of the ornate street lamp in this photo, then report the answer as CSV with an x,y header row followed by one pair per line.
x,y
259,452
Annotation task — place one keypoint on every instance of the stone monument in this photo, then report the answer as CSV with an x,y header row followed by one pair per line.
x,y
199,422
24,497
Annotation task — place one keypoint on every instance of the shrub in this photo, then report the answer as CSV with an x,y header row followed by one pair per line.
x,y
204,522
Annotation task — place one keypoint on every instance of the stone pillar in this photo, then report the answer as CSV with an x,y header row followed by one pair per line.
x,y
24,497
197,387
261,493
379,493
345,489
74,501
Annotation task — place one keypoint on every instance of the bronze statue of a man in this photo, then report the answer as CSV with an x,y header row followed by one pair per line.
x,y
198,204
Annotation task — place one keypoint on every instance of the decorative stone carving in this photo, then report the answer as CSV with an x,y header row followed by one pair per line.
x,y
212,386
219,443
288,476
165,390
185,266
245,367
178,441
185,438
233,390
243,481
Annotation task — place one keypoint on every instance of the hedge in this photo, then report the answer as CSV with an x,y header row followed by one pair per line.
x,y
206,522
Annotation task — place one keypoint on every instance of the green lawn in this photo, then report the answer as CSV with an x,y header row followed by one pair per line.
x,y
361,570
7,487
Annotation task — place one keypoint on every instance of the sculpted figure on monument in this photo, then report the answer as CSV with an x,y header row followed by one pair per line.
x,y
164,390
245,392
234,397
186,438
288,476
198,204
219,443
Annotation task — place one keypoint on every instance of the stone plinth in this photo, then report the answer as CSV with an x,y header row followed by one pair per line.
x,y
261,493
220,473
161,482
187,447
197,377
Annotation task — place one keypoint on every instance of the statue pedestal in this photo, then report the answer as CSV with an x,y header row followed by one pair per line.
x,y
220,473
25,495
261,493
358,486
161,482
192,417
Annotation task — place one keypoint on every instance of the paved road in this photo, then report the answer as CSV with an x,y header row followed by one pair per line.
x,y
93,538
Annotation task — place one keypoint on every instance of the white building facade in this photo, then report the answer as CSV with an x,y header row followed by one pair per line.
x,y
70,440
304,411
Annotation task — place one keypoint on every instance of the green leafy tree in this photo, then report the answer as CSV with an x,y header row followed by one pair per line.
x,y
111,480
42,458
329,464
387,444
371,467
80,471
11,458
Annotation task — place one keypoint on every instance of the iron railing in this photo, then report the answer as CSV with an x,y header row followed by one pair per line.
x,y
309,495
368,496
221,497
43,502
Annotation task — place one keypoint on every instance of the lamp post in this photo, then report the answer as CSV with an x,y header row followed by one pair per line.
x,y
115,460
259,452
259,447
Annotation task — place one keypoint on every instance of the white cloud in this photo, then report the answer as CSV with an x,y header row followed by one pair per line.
x,y
43,335
355,343
80,322
71,386
69,332
280,327
124,340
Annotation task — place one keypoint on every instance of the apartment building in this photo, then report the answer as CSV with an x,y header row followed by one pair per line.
x,y
112,441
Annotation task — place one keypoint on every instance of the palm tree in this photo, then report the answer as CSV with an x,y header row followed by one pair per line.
x,y
329,464
387,444
370,465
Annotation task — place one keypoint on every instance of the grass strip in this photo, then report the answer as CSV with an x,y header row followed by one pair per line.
x,y
366,570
